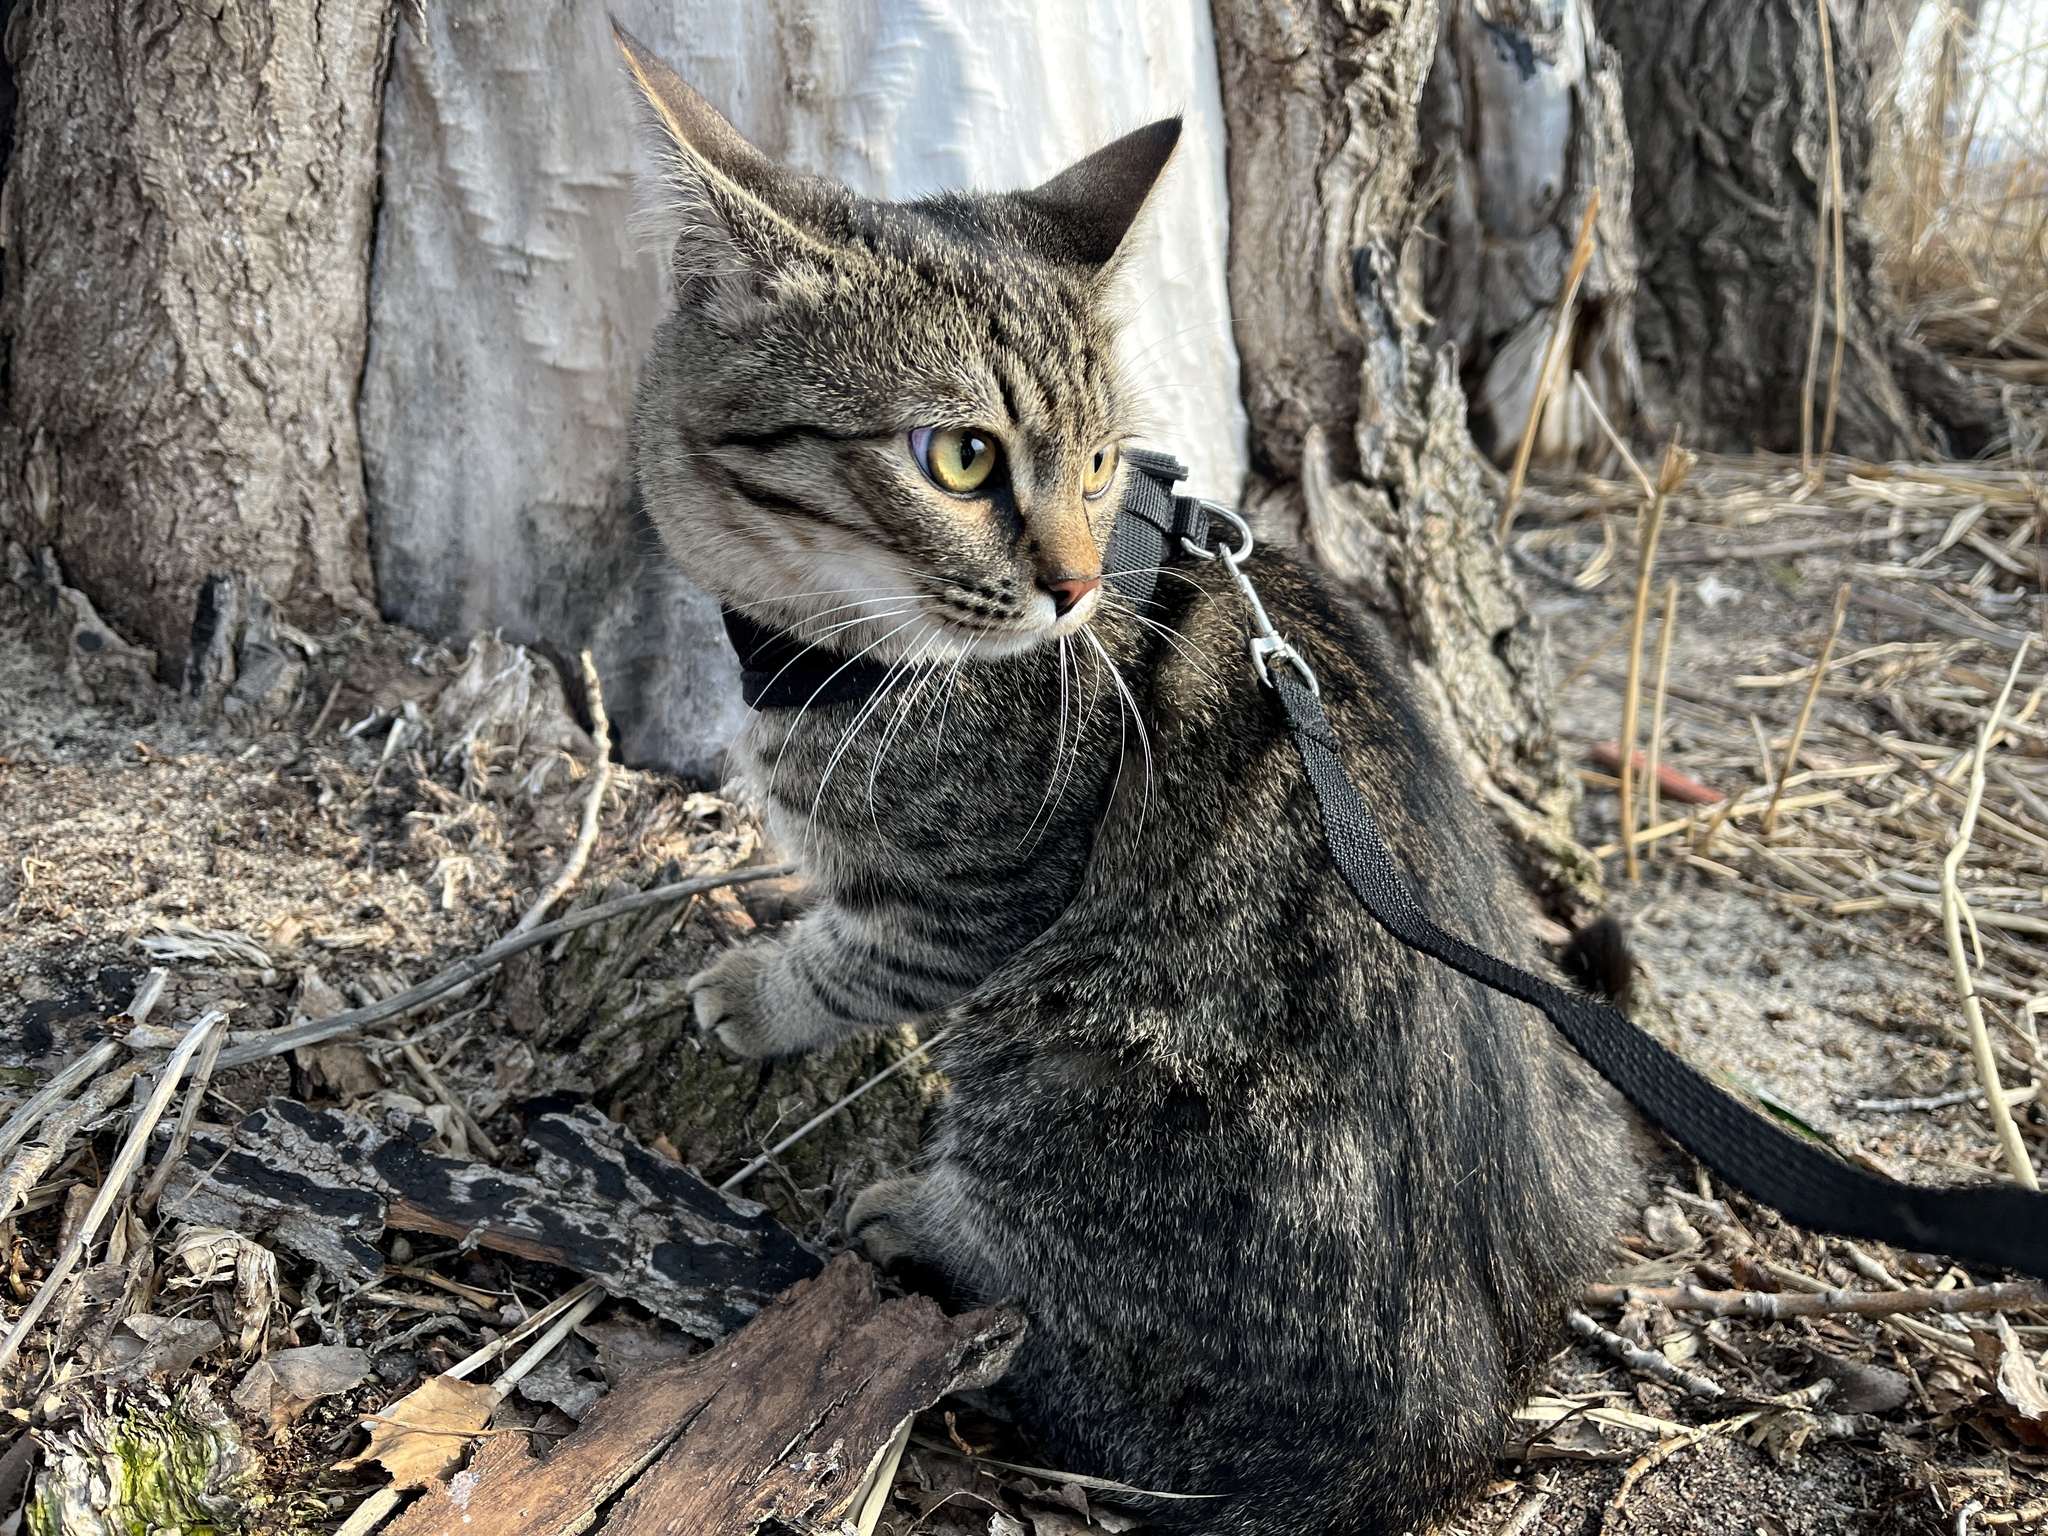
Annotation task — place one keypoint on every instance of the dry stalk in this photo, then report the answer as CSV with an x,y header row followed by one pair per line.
x,y
448,1096
827,1113
277,1041
181,1134
1952,930
1670,476
1653,761
1820,672
30,1115
1553,354
1607,430
593,803
126,1161
1836,199
36,1159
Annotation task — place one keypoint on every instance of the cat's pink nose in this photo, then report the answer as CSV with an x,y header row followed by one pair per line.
x,y
1065,594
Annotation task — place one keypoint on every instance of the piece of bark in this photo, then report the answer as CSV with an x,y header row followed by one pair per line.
x,y
778,1424
328,1183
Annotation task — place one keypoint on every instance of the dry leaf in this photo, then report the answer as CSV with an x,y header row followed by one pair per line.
x,y
421,1438
213,1256
284,1385
2019,1383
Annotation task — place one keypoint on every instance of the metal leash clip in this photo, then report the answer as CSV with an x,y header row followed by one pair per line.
x,y
1267,643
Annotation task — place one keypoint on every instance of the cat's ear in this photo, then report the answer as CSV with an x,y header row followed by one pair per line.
x,y
736,206
1088,209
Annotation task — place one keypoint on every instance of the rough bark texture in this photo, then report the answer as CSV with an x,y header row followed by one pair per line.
x,y
187,219
778,1429
1727,112
1522,123
1358,427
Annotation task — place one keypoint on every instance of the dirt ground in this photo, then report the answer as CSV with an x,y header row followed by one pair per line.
x,y
334,861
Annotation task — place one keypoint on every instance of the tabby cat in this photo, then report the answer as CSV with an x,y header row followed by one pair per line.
x,y
1292,1211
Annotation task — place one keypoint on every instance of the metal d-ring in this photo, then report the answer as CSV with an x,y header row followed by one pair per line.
x,y
1267,643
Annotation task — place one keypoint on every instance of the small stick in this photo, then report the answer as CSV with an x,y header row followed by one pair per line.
x,y
519,1369
827,1113
1836,199
1613,437
36,1159
124,1164
1650,1361
30,1115
593,803
371,1513
1951,923
1560,328
181,1134
1820,672
2011,1295
144,1002
469,1365
1670,475
1664,634
441,1091
277,1041
1525,1512
325,709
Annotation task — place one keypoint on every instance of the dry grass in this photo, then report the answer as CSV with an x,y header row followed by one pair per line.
x,y
1959,195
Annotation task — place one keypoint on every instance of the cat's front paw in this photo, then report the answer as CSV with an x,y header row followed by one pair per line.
x,y
727,998
878,1221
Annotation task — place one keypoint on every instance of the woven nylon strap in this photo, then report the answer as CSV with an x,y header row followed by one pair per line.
x,y
1997,1224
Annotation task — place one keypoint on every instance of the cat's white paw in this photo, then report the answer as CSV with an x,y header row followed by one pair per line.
x,y
877,1220
727,998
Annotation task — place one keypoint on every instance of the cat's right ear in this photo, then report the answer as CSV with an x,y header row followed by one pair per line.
x,y
728,195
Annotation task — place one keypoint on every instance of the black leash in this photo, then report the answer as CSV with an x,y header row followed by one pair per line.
x,y
1999,1224
1993,1224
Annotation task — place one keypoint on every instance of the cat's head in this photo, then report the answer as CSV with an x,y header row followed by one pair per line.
x,y
893,425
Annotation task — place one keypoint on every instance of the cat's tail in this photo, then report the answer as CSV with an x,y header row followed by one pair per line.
x,y
1598,958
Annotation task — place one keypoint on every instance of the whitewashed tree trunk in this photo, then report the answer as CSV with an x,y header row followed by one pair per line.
x,y
187,215
1360,446
514,288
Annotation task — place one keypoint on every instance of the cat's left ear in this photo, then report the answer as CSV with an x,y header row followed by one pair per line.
x,y
1084,213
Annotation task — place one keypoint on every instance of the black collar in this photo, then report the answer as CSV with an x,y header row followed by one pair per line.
x,y
779,671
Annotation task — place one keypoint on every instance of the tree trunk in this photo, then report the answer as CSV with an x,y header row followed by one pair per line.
x,y
187,220
1360,448
1522,125
1728,115
516,286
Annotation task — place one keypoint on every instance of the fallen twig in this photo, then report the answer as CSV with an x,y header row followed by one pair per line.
x,y
827,1113
1952,913
125,1163
593,803
1650,1361
181,1134
1820,672
278,1041
2011,1295
30,1115
448,1096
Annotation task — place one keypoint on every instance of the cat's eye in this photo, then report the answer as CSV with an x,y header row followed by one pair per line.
x,y
962,460
1099,471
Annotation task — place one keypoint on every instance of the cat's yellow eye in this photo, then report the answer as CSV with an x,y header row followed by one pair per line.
x,y
962,460
1098,471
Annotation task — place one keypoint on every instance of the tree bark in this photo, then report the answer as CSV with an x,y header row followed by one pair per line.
x,y
1360,448
1522,126
1728,114
187,219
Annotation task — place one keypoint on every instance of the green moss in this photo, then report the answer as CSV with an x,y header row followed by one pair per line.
x,y
145,1465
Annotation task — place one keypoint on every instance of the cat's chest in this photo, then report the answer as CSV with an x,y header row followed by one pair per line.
x,y
1006,754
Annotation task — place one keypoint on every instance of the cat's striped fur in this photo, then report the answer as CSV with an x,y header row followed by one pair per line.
x,y
1292,1210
